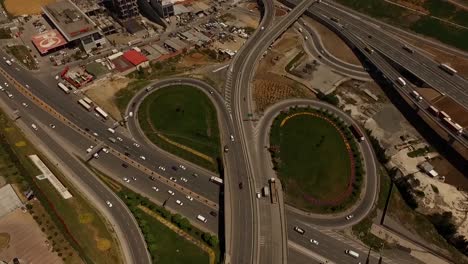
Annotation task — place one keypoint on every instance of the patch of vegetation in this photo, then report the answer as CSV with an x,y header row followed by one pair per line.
x,y
435,189
329,98
311,159
420,152
186,116
22,54
59,218
5,33
123,96
379,150
444,224
292,64
363,231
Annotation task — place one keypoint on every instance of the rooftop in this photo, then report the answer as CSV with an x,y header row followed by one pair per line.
x,y
134,57
69,19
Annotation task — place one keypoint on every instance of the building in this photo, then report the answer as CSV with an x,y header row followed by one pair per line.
x,y
136,58
9,200
427,168
125,9
165,8
74,25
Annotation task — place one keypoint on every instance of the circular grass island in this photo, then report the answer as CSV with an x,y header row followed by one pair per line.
x,y
182,120
317,160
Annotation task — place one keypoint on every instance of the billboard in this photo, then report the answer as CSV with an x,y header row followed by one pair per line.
x,y
48,40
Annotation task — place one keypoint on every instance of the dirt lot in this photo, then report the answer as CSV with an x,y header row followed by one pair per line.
x,y
333,43
103,91
456,112
25,7
27,242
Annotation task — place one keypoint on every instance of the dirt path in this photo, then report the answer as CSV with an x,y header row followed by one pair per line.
x,y
25,7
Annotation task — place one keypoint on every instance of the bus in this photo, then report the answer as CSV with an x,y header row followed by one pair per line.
x,y
101,112
216,180
84,104
63,87
357,133
401,81
88,101
447,69
273,190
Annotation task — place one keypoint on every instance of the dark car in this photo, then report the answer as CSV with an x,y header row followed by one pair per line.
x,y
152,178
124,165
241,185
174,168
127,154
213,213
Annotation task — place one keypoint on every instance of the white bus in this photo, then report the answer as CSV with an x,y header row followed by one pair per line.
x,y
101,112
84,104
401,81
63,87
216,180
447,68
87,100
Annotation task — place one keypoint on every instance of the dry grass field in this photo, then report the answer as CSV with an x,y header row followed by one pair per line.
x,y
25,7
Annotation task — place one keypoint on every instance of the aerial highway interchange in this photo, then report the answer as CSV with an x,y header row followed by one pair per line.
x,y
255,231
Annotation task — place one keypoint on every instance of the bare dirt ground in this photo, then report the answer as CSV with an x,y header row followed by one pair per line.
x,y
456,112
102,92
244,20
27,242
333,43
195,59
25,7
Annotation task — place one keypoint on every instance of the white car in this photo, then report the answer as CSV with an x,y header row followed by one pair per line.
x,y
162,168
134,178
6,84
119,139
155,189
52,125
142,157
126,180
96,156
95,134
262,28
313,241
105,150
56,77
109,203
182,167
10,95
232,138
349,217
25,104
179,202
136,144
173,179
183,179
190,198
171,192
259,195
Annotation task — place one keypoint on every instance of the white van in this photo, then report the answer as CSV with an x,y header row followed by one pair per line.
x,y
34,126
353,254
111,130
202,218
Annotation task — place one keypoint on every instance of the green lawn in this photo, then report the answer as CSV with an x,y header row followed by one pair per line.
x,y
313,159
122,97
22,54
168,247
186,116
95,241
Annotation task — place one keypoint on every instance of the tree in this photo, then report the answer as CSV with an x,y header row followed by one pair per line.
x,y
213,241
185,224
176,219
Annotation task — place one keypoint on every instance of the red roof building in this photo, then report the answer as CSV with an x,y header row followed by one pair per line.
x,y
136,58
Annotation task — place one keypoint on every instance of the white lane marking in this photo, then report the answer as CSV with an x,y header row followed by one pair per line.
x,y
223,67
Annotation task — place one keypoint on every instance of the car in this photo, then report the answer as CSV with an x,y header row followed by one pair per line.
x,y
124,165
313,241
183,179
259,195
241,185
152,178
95,134
119,139
226,148
155,189
6,84
211,92
142,157
182,167
24,104
109,203
56,77
174,168
2,89
52,125
232,138
213,213
130,114
162,168
179,202
96,155
10,95
126,180
134,178
190,198
105,150
34,126
136,144
171,192
127,154
349,217
299,230
173,179
262,28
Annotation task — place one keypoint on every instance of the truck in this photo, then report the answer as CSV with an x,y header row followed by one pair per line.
x,y
454,127
101,112
266,191
416,96
434,111
216,180
64,88
443,115
357,133
272,183
447,69
369,49
84,105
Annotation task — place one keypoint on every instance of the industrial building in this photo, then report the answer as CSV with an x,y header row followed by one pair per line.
x,y
165,8
126,9
74,25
